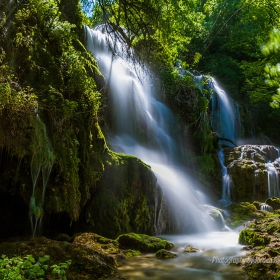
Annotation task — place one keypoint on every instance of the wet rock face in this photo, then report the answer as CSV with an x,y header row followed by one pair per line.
x,y
249,167
257,153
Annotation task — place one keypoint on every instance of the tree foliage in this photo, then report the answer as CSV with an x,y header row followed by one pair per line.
x,y
159,30
272,71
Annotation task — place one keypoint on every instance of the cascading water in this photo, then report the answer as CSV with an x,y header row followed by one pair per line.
x,y
225,117
266,208
225,122
272,180
226,181
143,126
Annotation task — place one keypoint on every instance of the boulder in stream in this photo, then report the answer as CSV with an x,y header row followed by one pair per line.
x,y
164,254
143,242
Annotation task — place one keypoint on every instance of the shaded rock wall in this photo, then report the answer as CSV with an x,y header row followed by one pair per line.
x,y
122,201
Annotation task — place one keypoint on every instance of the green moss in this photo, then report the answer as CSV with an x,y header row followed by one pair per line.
x,y
143,242
97,242
242,212
250,237
190,249
131,253
164,254
47,55
257,204
124,197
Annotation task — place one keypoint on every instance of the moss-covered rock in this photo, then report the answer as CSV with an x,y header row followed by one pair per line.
x,y
130,253
274,202
164,254
125,197
105,245
257,204
97,242
143,242
242,212
262,236
190,249
250,237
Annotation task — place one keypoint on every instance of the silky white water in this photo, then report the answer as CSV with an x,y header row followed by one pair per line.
x,y
225,115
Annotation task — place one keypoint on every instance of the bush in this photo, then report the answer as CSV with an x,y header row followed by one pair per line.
x,y
18,268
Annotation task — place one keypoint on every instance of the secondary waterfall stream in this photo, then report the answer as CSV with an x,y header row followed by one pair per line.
x,y
144,127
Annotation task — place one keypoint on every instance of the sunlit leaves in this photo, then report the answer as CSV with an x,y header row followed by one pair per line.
x,y
156,29
272,71
273,45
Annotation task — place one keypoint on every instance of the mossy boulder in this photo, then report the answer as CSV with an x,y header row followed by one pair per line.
x,y
164,254
124,200
105,245
250,237
190,249
143,242
97,242
242,212
257,204
274,202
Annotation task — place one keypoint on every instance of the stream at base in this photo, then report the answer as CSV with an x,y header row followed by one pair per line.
x,y
216,260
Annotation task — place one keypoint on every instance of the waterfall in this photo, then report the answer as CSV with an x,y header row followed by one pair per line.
x,y
272,180
225,122
217,215
225,118
266,208
144,126
225,201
